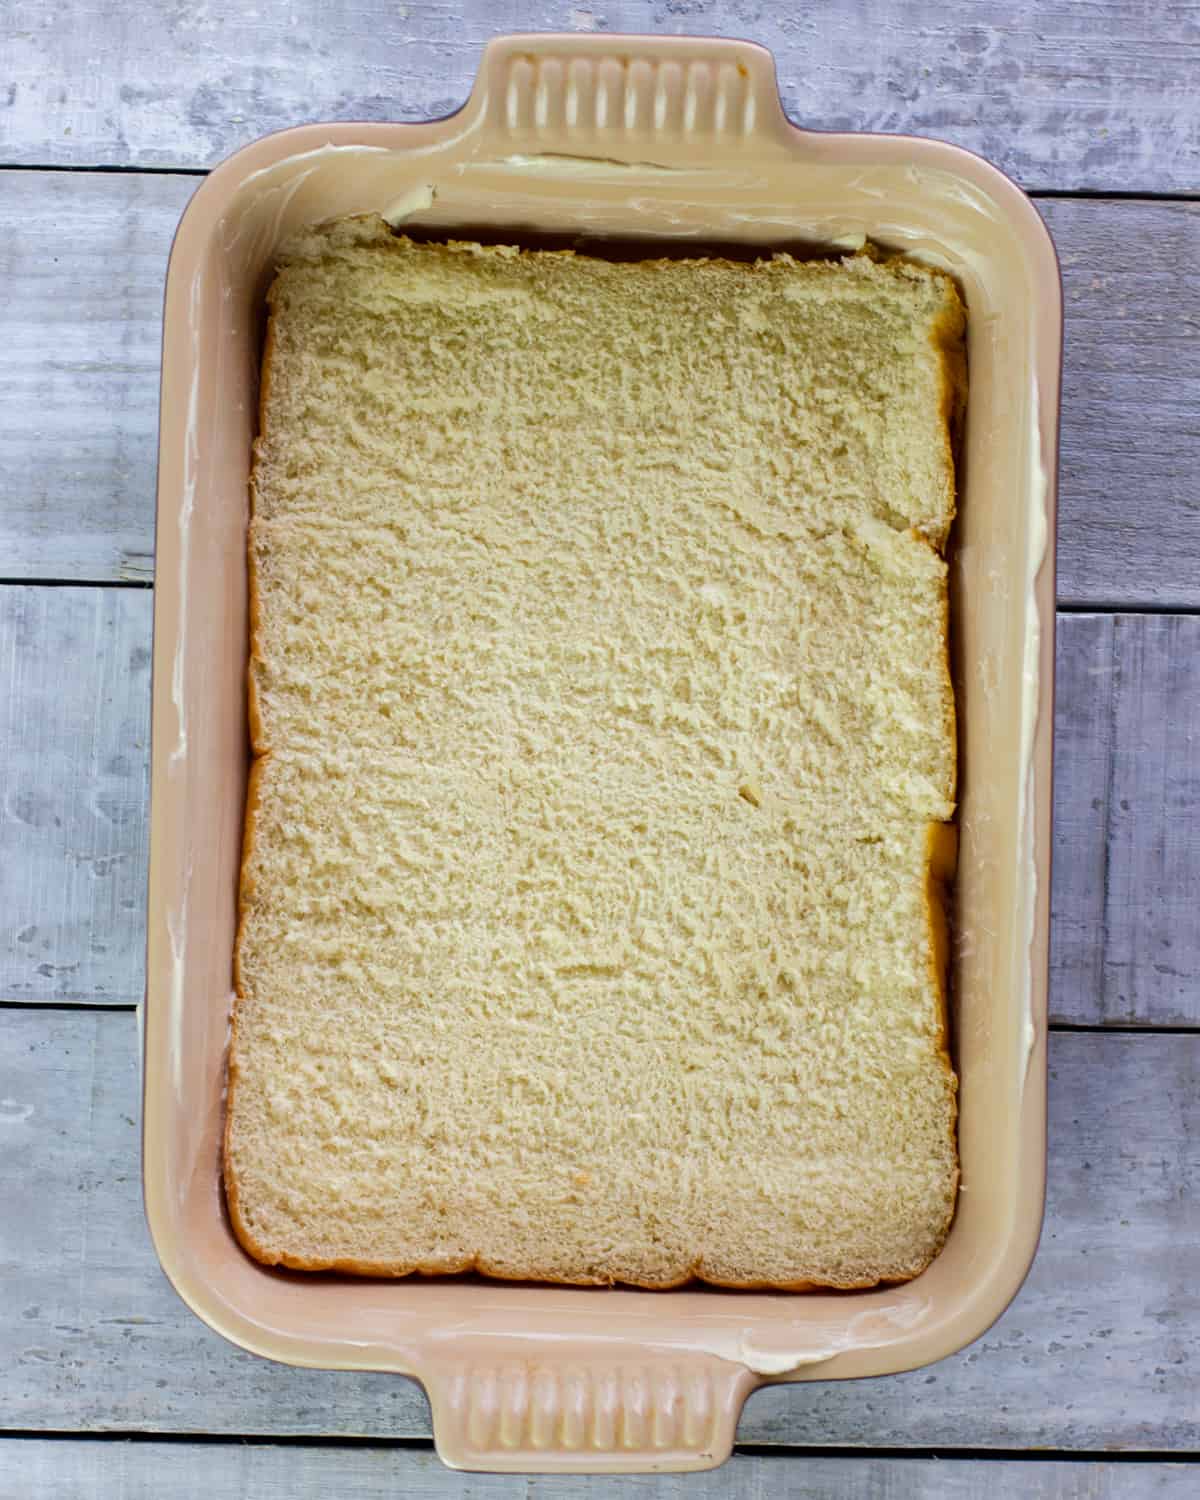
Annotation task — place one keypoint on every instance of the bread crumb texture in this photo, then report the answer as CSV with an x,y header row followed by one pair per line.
x,y
591,906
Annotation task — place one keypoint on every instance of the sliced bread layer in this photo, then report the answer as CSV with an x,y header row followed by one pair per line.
x,y
592,906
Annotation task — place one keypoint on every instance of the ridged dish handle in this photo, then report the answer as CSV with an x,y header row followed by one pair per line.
x,y
587,1410
639,99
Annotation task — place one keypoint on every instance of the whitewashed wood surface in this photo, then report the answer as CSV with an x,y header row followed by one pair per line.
x,y
1126,942
75,727
83,257
1059,93
47,1470
1099,1354
1125,902
1099,1351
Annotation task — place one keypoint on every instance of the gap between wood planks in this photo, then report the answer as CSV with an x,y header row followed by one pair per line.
x,y
1116,195
112,1007
1148,1028
744,1450
1104,607
136,583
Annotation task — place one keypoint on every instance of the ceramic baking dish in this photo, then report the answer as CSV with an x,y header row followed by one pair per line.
x,y
670,140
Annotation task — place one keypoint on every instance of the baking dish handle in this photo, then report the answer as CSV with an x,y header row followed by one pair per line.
x,y
587,1410
641,100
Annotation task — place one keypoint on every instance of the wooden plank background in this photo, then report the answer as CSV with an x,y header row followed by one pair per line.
x,y
1093,106
75,724
46,1470
1097,1351
1126,945
84,257
1060,94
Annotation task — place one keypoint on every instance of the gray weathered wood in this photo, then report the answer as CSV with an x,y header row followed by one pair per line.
x,y
41,1469
1126,945
83,256
1084,726
74,727
1126,895
1061,95
1098,1352
1126,890
1129,516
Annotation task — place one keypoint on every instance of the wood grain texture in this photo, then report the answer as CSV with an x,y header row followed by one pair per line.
x,y
85,254
1083,734
1098,1352
1060,95
83,260
1129,499
74,724
39,1469
1152,891
1126,945
1126,890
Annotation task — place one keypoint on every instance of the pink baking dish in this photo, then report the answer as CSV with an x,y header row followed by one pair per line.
x,y
679,140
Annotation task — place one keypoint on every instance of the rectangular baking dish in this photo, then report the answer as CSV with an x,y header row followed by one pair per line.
x,y
670,140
